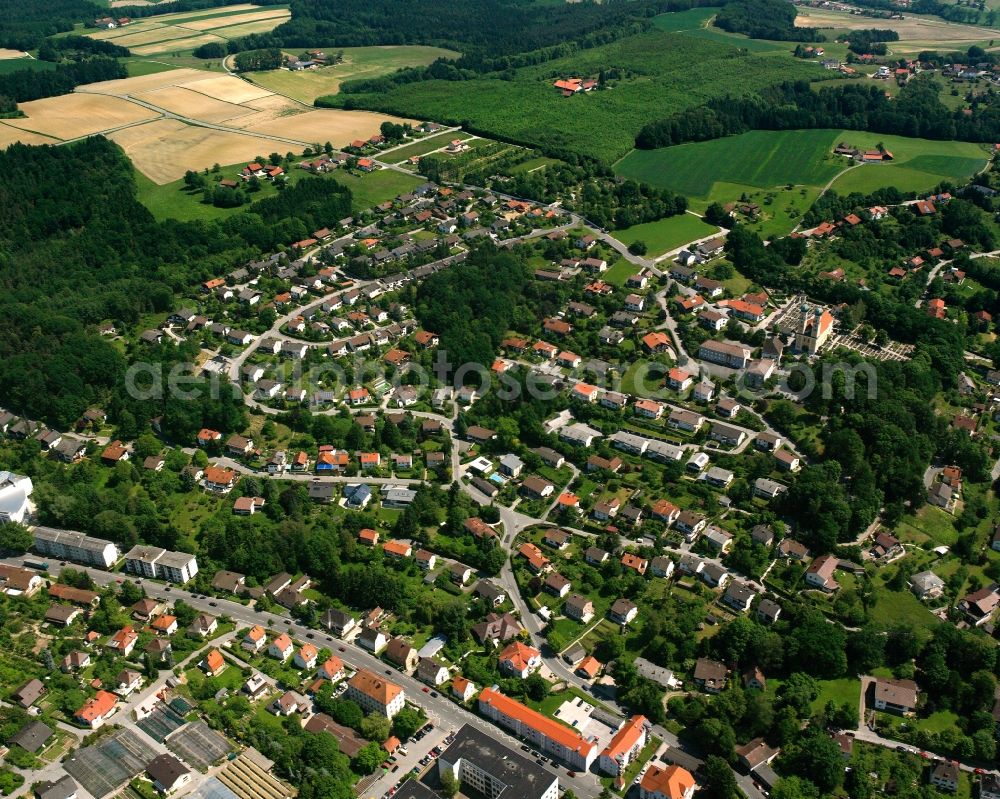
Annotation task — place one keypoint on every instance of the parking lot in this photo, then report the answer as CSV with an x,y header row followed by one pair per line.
x,y
412,757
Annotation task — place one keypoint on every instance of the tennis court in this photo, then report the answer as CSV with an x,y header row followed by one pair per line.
x,y
108,765
160,723
199,745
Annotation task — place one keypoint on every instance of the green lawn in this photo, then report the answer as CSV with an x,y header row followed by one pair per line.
x,y
375,187
784,171
424,146
620,271
666,234
837,691
171,201
532,164
934,523
893,606
137,67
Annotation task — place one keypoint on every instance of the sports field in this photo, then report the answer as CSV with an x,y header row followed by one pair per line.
x,y
359,62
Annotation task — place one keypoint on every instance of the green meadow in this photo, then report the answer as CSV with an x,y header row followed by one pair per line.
x,y
788,169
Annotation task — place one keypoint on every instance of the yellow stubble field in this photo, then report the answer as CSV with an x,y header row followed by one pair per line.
x,y
185,102
339,127
73,115
165,149
9,135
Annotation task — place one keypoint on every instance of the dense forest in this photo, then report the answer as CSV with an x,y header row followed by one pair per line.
x,y
78,48
255,60
764,19
77,248
917,111
26,24
470,27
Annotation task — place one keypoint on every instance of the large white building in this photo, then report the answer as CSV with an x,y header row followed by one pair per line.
x,y
74,546
494,770
547,735
161,564
14,492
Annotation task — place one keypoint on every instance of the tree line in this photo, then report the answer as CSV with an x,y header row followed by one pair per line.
x,y
764,19
257,60
917,111
77,48
489,27
29,84
870,40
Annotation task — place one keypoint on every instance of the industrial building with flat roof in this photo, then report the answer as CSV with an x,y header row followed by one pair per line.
x,y
494,770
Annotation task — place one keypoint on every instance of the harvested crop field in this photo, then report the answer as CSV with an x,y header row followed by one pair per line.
x,y
228,88
72,115
165,149
186,30
145,83
188,103
210,23
176,44
273,102
159,34
9,135
246,28
912,29
207,12
325,125
6,53
128,30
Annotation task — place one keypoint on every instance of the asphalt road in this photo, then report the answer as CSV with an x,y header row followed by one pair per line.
x,y
442,711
